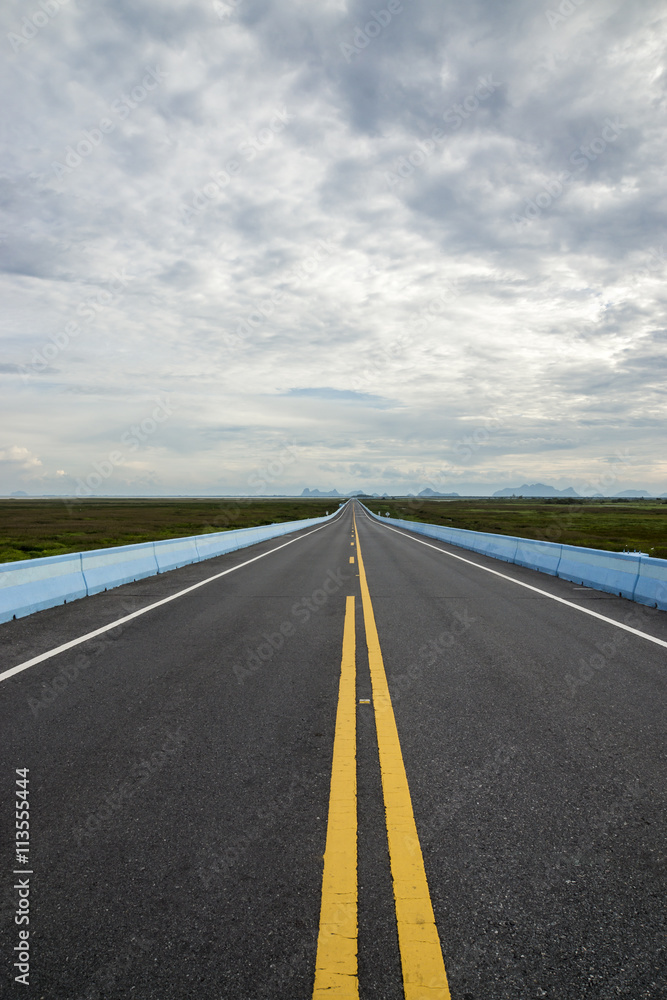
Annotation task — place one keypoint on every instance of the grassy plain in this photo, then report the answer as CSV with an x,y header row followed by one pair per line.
x,y
33,528
614,525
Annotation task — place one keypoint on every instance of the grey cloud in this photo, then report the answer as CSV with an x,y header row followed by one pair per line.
x,y
428,307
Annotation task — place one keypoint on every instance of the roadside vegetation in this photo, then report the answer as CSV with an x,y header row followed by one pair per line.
x,y
615,525
33,528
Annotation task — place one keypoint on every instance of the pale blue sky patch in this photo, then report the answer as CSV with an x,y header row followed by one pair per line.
x,y
341,395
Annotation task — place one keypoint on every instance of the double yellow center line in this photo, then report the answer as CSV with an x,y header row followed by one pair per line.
x,y
336,965
424,976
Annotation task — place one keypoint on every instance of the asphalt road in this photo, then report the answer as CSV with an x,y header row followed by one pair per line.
x,y
180,769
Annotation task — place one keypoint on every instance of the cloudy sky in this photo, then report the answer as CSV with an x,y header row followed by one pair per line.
x,y
255,245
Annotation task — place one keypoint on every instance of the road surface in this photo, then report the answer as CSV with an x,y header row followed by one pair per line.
x,y
183,781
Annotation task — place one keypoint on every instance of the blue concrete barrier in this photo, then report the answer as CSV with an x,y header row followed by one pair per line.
x,y
220,542
613,572
628,574
172,553
35,584
542,556
217,544
107,568
466,539
651,586
500,547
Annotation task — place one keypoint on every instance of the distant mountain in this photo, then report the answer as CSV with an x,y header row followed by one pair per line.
x,y
428,492
18,494
535,490
320,493
335,493
631,493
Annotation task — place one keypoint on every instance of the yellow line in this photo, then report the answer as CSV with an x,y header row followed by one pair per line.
x,y
336,963
351,559
423,966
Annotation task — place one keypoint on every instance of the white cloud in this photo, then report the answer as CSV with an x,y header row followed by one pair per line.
x,y
19,457
178,251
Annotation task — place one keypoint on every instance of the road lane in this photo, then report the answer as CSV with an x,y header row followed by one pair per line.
x,y
182,779
180,788
421,954
533,740
119,622
538,590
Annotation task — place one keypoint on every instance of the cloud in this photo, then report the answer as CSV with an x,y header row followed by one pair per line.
x,y
372,256
19,457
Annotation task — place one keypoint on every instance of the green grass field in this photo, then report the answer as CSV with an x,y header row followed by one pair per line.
x,y
33,528
599,524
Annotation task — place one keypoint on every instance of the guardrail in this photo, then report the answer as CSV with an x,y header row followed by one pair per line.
x,y
632,575
35,584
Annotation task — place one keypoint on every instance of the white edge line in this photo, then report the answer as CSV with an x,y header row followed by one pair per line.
x,y
142,611
528,586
